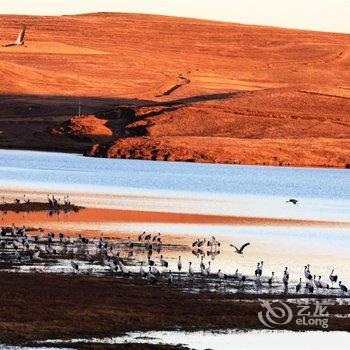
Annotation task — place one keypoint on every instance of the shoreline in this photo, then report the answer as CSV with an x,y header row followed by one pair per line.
x,y
74,151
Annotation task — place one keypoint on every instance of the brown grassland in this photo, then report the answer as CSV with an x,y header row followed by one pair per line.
x,y
165,88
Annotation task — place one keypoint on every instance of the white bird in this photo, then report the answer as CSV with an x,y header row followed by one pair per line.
x,y
316,282
112,265
17,256
307,273
170,278
259,268
310,286
143,272
151,277
89,258
179,264
298,286
163,262
204,272
35,255
106,261
113,251
155,271
49,249
15,244
155,237
319,283
208,269
20,38
270,280
237,275
190,269
343,287
333,278
74,265
130,244
213,243
142,235
123,268
222,275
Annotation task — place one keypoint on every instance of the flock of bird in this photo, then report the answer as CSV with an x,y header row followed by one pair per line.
x,y
311,283
18,247
53,202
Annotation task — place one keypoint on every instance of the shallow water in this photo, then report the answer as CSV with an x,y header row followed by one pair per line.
x,y
276,253
233,339
183,187
199,188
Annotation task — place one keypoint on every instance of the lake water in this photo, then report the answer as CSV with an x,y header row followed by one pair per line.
x,y
184,187
324,194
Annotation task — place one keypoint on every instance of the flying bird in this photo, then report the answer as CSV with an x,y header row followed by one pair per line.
x,y
292,200
20,39
240,250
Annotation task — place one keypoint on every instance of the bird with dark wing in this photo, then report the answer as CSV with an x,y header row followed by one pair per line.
x,y
293,201
240,250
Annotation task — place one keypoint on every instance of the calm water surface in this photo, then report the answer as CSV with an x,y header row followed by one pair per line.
x,y
184,187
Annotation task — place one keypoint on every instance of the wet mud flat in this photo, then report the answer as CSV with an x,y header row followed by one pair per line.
x,y
39,306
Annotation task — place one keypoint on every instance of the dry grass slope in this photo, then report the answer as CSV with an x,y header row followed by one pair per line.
x,y
176,89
